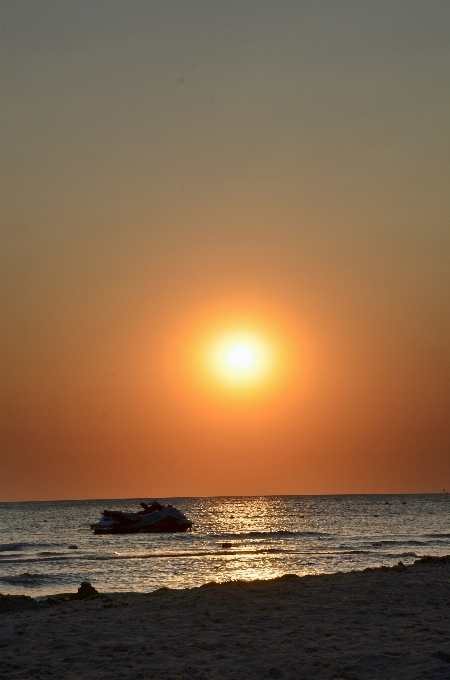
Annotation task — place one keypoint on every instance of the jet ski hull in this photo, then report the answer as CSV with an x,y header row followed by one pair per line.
x,y
167,520
163,528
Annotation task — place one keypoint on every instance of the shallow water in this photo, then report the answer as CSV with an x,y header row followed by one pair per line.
x,y
270,536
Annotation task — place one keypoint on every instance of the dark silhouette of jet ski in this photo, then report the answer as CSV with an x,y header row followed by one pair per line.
x,y
154,518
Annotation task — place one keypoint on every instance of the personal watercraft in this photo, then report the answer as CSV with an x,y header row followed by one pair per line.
x,y
155,518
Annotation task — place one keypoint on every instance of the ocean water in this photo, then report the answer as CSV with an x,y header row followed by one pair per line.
x,y
269,536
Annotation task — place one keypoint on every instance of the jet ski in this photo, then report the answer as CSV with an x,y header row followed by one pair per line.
x,y
155,518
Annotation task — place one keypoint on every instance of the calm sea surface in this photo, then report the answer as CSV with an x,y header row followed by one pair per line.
x,y
269,536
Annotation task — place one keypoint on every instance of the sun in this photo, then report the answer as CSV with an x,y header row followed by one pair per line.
x,y
241,357
233,358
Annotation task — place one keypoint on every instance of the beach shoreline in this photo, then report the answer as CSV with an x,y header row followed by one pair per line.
x,y
388,622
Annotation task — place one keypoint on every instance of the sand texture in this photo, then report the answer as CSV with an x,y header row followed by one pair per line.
x,y
383,623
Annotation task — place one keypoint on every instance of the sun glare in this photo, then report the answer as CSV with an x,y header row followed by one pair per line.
x,y
225,358
241,357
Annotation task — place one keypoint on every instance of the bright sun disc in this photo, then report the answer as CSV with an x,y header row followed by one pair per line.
x,y
241,357
232,358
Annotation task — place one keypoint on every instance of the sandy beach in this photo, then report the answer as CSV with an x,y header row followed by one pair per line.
x,y
379,623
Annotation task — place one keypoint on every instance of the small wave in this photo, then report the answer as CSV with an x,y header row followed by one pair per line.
x,y
268,534
11,547
25,579
397,555
416,542
437,535
177,555
27,560
410,542
22,546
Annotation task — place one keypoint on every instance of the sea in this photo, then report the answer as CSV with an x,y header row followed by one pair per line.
x,y
232,538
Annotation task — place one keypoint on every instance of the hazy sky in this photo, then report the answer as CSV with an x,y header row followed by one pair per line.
x,y
173,171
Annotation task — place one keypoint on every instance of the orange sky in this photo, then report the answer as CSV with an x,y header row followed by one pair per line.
x,y
175,171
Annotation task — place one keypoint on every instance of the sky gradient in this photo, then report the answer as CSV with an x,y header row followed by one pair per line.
x,y
172,171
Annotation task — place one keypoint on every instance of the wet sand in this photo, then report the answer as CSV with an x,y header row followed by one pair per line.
x,y
383,623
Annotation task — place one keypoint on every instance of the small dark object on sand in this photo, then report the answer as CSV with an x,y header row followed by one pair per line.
x,y
73,547
85,590
227,545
